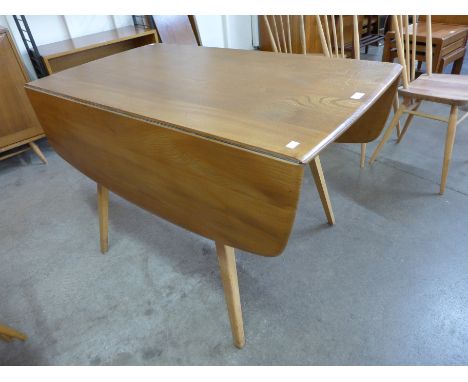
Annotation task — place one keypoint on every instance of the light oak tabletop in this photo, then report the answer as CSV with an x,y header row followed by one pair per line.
x,y
282,105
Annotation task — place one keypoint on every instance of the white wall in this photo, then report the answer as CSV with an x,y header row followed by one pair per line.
x,y
231,31
216,31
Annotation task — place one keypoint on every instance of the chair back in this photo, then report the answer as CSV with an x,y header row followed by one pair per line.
x,y
282,29
327,30
407,51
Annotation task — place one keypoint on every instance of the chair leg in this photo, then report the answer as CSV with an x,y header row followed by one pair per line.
x,y
408,122
449,140
388,132
38,152
103,211
396,106
317,173
363,154
8,334
227,265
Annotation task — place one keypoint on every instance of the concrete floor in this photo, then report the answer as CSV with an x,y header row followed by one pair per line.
x,y
387,285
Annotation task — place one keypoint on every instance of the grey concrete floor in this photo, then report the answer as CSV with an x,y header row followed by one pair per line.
x,y
387,285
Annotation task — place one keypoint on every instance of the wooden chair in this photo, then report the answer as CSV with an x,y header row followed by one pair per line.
x,y
281,30
338,50
446,89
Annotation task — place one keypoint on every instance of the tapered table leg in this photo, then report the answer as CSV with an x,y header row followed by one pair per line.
x,y
396,106
363,154
449,140
319,178
227,265
103,210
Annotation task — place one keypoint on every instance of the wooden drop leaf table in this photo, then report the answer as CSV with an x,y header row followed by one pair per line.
x,y
212,140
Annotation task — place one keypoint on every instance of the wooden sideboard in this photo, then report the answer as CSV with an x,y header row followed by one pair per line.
x,y
66,54
18,122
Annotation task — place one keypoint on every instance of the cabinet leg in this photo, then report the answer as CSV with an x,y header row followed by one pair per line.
x,y
227,265
103,210
38,152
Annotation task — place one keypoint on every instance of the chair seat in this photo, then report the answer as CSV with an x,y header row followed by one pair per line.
x,y
449,89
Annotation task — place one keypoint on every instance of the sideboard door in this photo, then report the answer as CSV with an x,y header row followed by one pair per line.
x,y
18,121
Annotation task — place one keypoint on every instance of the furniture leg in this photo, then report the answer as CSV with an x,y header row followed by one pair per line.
x,y
408,122
38,152
396,105
419,67
227,265
386,54
457,65
317,173
449,139
388,132
363,154
7,334
103,210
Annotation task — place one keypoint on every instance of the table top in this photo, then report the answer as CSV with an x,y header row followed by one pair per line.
x,y
447,19
60,48
439,30
286,106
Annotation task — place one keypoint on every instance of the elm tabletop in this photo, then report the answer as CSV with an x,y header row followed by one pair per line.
x,y
213,140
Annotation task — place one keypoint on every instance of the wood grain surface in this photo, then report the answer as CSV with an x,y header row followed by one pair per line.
x,y
76,44
260,101
237,197
443,88
175,29
18,122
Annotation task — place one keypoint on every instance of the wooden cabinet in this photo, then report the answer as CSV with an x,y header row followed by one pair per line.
x,y
18,122
76,51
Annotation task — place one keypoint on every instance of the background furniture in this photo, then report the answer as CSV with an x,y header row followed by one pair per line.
x,y
215,154
447,19
75,51
18,123
178,29
65,54
371,32
448,89
312,40
449,45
